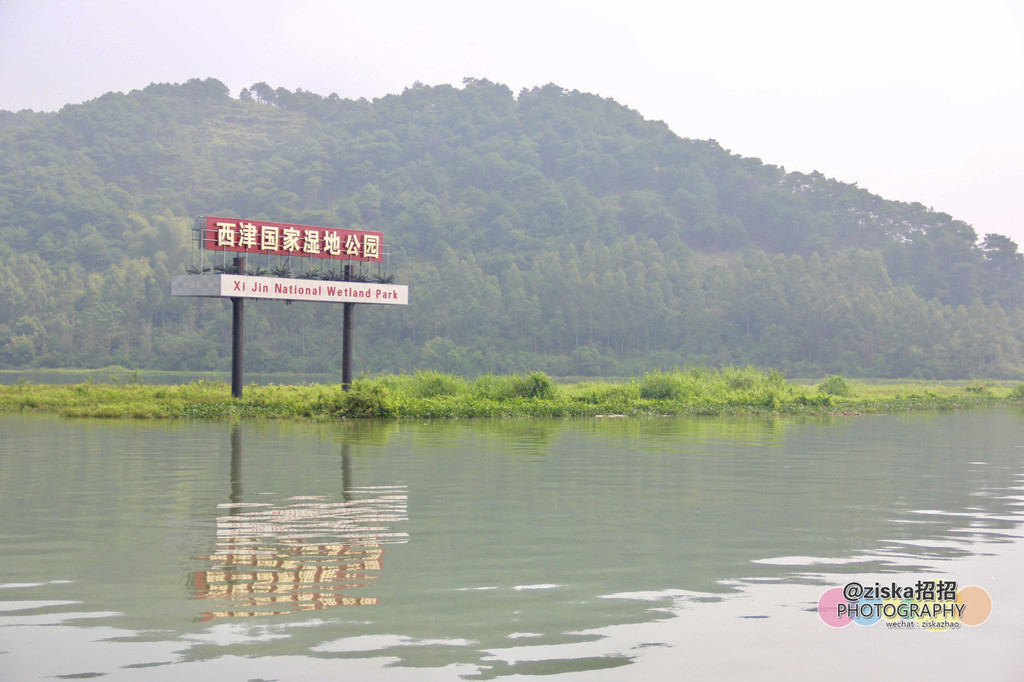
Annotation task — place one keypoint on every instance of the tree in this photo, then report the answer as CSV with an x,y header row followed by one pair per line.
x,y
264,93
530,229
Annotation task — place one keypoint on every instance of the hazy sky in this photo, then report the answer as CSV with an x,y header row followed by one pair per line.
x,y
916,100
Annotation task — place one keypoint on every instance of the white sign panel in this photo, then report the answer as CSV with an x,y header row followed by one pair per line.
x,y
280,288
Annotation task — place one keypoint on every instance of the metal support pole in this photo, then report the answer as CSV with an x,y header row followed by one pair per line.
x,y
346,339
237,324
346,346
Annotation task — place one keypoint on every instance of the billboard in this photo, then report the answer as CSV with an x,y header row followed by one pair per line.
x,y
287,289
287,239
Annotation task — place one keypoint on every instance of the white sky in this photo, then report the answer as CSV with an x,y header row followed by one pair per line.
x,y
915,100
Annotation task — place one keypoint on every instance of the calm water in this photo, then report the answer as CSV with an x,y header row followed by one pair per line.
x,y
600,549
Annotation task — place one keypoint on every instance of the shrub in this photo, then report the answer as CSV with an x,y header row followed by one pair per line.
x,y
431,384
492,387
534,385
835,385
660,386
596,393
740,380
367,399
980,387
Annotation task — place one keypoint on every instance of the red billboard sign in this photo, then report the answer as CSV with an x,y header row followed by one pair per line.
x,y
286,239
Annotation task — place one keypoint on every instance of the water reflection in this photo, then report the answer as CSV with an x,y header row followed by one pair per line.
x,y
236,463
300,554
541,546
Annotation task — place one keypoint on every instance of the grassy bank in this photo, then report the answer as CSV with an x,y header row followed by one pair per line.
x,y
693,391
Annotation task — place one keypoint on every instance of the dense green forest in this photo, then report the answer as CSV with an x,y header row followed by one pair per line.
x,y
551,230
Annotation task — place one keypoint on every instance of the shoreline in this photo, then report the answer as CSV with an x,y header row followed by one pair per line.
x,y
433,395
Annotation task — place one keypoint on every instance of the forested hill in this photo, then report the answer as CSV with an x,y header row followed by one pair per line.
x,y
550,230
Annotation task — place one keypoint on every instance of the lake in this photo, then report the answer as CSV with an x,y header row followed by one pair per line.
x,y
598,549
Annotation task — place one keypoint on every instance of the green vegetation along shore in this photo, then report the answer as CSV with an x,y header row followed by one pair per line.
x,y
430,395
